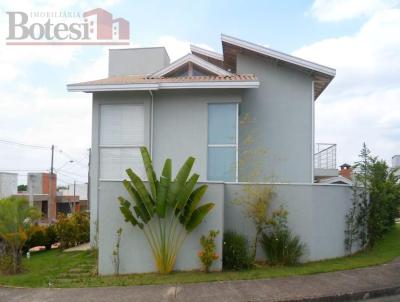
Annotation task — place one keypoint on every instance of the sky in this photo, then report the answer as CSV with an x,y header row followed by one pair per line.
x,y
359,38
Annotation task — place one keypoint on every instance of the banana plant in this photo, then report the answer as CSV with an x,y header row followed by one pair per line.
x,y
167,211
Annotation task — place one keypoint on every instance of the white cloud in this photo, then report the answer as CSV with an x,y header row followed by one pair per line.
x,y
363,101
35,116
338,10
46,114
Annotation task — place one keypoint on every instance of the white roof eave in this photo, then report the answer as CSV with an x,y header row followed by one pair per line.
x,y
206,52
279,55
159,86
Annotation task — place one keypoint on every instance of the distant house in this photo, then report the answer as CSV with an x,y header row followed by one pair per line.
x,y
246,115
78,190
8,184
42,194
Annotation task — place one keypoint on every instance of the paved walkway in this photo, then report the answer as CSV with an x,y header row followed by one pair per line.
x,y
337,286
79,248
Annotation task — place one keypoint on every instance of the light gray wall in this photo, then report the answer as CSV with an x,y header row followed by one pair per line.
x,y
181,123
281,114
316,213
137,61
135,253
139,97
35,183
8,184
180,130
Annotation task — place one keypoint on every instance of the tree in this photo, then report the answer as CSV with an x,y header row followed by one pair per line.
x,y
256,201
375,204
168,212
384,200
16,216
363,167
22,188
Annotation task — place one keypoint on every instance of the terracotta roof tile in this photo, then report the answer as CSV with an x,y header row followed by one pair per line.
x,y
131,79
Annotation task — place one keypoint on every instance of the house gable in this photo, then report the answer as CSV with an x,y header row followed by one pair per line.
x,y
322,75
208,55
190,65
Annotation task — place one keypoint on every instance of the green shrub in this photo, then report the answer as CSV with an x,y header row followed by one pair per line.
x,y
16,217
73,230
40,235
236,252
81,221
280,246
36,237
51,236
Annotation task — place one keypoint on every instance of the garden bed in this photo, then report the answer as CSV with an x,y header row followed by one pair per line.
x,y
78,269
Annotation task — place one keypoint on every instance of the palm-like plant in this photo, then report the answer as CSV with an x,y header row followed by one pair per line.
x,y
16,216
166,213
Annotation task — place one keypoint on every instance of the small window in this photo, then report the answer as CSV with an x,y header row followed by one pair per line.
x,y
121,136
222,142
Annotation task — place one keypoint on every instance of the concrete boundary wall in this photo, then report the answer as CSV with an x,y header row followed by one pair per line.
x,y
135,253
316,213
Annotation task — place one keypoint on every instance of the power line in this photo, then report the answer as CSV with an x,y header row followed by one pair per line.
x,y
72,177
4,141
24,170
65,164
63,181
27,145
83,158
70,173
62,152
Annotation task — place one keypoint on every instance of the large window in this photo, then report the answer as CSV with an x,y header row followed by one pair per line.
x,y
222,142
121,136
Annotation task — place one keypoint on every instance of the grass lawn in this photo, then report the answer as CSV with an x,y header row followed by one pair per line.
x,y
76,269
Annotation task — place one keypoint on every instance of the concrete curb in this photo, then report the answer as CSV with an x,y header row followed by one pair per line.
x,y
362,295
340,286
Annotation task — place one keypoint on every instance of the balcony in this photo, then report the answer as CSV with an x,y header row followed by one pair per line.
x,y
325,160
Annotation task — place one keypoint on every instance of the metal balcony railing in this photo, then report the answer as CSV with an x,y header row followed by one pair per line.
x,y
325,156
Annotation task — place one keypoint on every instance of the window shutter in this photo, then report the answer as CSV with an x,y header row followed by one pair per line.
x,y
121,135
122,125
115,161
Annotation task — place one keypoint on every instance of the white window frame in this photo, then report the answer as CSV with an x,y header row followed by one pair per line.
x,y
106,146
236,145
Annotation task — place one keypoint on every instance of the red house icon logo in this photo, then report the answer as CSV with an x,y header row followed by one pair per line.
x,y
97,27
102,26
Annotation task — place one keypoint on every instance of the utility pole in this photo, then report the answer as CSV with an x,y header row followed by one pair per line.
x,y
52,160
88,184
74,196
49,204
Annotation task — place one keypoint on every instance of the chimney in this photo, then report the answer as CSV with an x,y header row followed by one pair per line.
x,y
346,171
137,61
